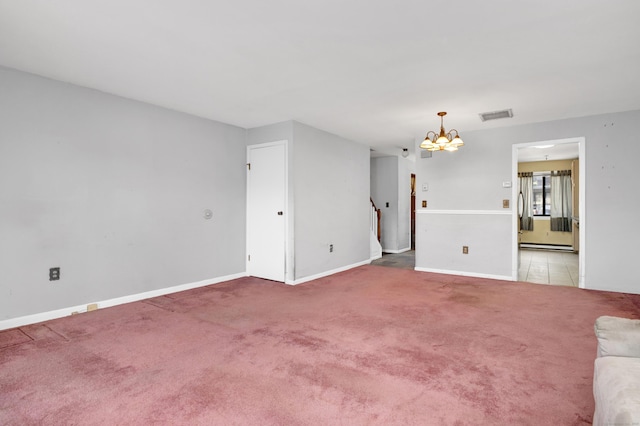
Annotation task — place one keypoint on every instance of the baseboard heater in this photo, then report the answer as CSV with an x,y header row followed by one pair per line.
x,y
547,247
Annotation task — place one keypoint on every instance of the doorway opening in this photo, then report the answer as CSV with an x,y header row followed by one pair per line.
x,y
543,253
404,260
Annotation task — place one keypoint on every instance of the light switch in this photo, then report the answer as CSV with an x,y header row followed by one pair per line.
x,y
424,204
505,204
506,184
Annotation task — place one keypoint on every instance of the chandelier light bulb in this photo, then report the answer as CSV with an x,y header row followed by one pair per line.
x,y
442,140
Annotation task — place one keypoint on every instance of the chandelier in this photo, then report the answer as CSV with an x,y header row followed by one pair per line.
x,y
444,140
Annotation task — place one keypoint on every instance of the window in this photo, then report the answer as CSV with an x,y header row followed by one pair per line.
x,y
542,194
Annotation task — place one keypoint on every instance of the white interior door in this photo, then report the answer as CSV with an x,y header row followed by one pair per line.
x,y
266,200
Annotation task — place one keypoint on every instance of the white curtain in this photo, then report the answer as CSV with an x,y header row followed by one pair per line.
x,y
525,187
561,196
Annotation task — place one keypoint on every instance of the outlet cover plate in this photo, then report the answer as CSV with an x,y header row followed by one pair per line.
x,y
54,273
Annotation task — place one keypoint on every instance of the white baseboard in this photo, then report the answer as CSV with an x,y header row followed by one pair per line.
x,y
465,274
327,273
59,313
375,258
396,251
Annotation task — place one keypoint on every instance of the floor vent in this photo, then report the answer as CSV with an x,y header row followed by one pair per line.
x,y
486,116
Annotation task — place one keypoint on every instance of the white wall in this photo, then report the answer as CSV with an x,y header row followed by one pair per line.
x,y
113,192
328,198
471,179
271,133
443,234
331,191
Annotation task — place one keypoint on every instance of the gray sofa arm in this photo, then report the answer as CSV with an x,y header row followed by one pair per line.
x,y
618,336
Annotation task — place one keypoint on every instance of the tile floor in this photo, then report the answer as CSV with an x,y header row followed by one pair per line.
x,y
548,267
406,260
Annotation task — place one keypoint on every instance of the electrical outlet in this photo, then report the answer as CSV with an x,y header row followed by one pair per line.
x,y
54,273
505,204
330,248
92,307
424,204
465,249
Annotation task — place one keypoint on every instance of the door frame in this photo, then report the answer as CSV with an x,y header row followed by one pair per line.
x,y
287,211
581,202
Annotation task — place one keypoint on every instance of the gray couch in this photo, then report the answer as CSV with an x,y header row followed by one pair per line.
x,y
616,375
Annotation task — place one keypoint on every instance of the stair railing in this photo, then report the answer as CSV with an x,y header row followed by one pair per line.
x,y
376,214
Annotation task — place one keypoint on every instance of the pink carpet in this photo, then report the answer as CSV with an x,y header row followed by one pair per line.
x,y
372,345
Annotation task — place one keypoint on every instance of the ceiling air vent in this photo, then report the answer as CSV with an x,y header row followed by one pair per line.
x,y
486,116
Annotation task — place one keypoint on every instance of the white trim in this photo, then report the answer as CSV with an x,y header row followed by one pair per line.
x,y
375,258
476,212
582,206
515,252
464,274
327,273
397,251
59,313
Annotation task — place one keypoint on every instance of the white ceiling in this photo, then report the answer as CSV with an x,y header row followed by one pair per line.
x,y
374,71
541,152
